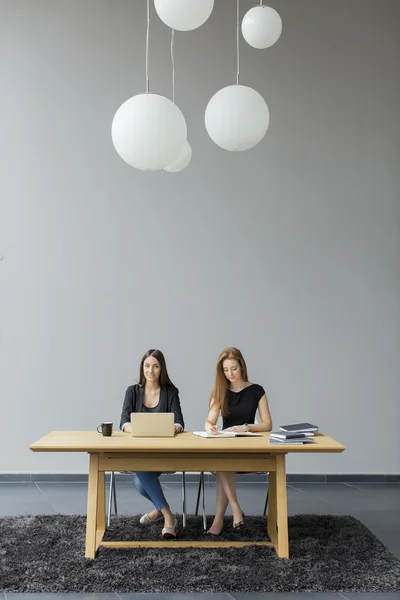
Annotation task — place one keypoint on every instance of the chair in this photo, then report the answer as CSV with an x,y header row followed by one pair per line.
x,y
201,491
112,497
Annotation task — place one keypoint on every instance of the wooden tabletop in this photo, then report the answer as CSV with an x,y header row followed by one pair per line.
x,y
91,441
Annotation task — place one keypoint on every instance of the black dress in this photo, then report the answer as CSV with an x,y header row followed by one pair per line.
x,y
242,406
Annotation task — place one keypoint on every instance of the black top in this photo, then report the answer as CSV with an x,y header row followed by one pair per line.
x,y
151,409
169,402
242,406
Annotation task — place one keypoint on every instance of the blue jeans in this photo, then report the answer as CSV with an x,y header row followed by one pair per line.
x,y
148,485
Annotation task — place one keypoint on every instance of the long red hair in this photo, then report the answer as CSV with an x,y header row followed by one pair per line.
x,y
219,393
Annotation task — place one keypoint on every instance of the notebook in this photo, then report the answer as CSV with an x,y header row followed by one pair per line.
x,y
292,441
299,427
286,435
227,434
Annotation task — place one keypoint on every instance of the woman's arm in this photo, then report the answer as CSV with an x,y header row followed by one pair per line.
x,y
176,409
265,416
212,417
127,408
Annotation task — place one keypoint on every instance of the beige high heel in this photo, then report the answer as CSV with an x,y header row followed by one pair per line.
x,y
169,533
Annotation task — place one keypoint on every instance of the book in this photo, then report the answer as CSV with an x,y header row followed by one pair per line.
x,y
299,428
227,434
306,440
286,435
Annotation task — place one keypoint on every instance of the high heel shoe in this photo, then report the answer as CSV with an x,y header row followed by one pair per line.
x,y
214,534
240,524
208,532
169,533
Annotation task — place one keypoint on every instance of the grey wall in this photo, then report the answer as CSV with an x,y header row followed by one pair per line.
x,y
289,251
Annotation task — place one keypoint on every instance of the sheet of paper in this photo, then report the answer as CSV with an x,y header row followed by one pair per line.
x,y
227,434
220,434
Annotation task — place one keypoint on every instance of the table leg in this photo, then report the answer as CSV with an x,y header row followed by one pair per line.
x,y
95,519
272,509
101,509
183,499
281,498
203,499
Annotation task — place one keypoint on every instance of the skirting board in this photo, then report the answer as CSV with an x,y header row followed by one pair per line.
x,y
194,477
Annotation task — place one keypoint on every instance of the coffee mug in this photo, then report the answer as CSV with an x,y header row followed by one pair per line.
x,y
105,428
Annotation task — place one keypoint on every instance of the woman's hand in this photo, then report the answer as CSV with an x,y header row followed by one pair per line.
x,y
127,428
178,428
237,429
211,428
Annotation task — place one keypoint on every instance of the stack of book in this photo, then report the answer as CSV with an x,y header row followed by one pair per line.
x,y
299,433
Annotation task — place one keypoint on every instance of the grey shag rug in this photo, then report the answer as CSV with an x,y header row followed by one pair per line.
x,y
327,554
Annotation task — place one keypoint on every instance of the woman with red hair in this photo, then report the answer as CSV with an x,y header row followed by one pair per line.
x,y
237,400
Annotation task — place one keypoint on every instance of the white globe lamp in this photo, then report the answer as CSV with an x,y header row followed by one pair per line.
x,y
148,131
237,118
261,27
184,15
183,159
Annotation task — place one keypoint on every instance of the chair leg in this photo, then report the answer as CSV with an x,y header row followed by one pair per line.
x,y
109,503
204,502
196,512
183,499
114,494
266,503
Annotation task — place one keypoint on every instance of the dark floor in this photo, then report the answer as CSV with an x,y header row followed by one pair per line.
x,y
375,504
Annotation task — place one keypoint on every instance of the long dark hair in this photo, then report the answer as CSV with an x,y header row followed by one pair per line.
x,y
220,389
164,377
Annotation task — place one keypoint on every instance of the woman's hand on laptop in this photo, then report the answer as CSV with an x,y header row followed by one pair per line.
x,y
127,428
178,428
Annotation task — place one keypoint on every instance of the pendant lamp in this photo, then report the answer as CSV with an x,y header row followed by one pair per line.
x,y
148,130
237,116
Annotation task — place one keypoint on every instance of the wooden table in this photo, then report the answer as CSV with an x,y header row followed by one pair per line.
x,y
184,452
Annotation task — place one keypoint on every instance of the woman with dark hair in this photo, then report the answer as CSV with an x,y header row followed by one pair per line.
x,y
237,399
155,392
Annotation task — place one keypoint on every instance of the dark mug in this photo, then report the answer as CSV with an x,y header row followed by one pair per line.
x,y
105,428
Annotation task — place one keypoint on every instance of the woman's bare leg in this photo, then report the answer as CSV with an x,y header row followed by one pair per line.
x,y
225,492
228,482
221,506
169,518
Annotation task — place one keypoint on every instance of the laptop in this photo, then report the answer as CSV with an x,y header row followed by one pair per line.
x,y
152,424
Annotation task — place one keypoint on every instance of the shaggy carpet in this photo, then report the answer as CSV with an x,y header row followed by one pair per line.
x,y
327,554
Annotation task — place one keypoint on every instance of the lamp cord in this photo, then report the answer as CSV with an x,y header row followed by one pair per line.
x,y
147,47
237,43
173,63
